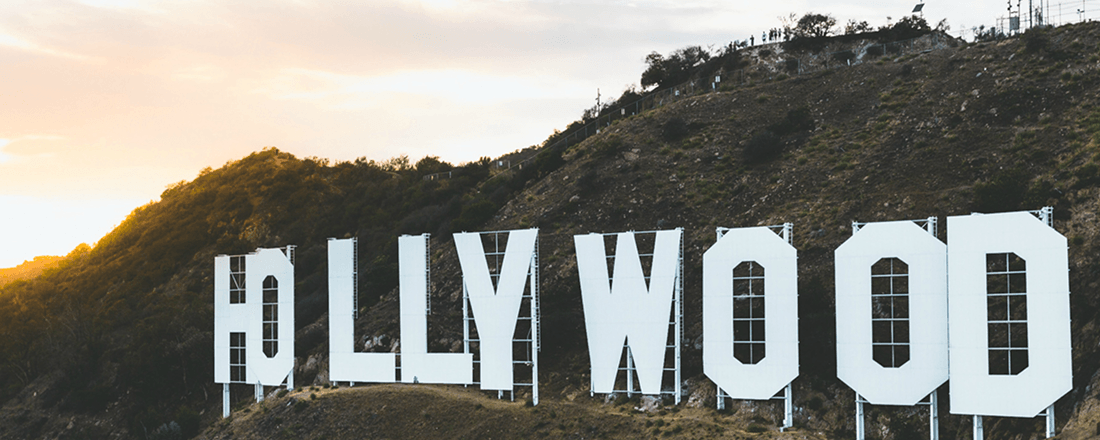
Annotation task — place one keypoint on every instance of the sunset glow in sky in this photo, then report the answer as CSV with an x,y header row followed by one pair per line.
x,y
103,103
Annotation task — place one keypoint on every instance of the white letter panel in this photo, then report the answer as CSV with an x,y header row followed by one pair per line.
x,y
496,310
248,318
626,310
927,367
417,365
780,364
1048,375
227,318
344,363
260,265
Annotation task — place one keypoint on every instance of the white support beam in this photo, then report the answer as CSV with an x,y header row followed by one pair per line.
x,y
536,324
1050,420
861,433
679,311
934,417
788,408
979,433
629,373
225,400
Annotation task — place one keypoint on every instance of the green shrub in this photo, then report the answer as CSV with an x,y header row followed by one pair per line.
x,y
799,119
1087,175
1035,39
474,214
188,421
1003,192
844,56
608,146
674,129
762,147
587,182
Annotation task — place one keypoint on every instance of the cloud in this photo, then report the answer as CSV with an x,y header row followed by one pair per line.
x,y
460,87
207,82
124,5
129,95
12,156
11,41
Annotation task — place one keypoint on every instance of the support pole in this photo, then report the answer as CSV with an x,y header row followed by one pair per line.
x,y
1050,421
721,398
466,325
225,400
629,373
934,425
535,383
860,431
259,392
679,315
978,431
536,324
788,408
290,380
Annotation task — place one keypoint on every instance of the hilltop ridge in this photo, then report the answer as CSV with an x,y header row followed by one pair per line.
x,y
28,269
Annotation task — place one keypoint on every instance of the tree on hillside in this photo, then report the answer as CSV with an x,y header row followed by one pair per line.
x,y
814,25
853,28
655,72
907,27
942,26
912,22
665,71
787,24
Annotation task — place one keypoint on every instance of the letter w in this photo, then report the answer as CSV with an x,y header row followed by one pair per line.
x,y
624,310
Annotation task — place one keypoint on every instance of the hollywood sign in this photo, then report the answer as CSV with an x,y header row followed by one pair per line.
x,y
989,310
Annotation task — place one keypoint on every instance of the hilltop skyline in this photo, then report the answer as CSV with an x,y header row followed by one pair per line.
x,y
107,102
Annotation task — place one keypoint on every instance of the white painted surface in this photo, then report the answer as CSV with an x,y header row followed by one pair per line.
x,y
496,309
417,365
927,367
248,317
1048,375
780,364
224,324
624,309
345,365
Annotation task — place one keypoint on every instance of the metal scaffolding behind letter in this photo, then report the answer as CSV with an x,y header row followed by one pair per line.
x,y
529,311
786,232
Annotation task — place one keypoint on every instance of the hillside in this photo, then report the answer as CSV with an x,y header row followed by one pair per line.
x,y
118,340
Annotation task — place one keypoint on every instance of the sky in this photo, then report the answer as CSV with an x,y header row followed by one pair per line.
x,y
104,103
